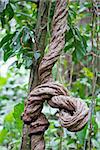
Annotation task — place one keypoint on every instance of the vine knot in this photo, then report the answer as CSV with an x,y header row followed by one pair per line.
x,y
73,112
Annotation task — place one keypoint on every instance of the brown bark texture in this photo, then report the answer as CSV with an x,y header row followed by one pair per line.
x,y
39,45
73,112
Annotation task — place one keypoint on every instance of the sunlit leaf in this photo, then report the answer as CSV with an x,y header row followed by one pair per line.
x,y
9,117
3,134
18,109
3,81
88,73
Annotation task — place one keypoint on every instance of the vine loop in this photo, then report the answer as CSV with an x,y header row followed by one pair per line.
x,y
73,113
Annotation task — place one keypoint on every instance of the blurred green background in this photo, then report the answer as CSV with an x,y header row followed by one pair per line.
x,y
78,69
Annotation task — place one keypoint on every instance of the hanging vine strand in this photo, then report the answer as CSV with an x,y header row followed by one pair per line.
x,y
73,112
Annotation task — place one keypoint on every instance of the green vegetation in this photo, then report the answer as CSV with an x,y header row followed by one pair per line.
x,y
77,69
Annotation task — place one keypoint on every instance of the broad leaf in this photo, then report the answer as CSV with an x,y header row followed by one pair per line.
x,y
18,109
81,135
3,135
9,11
6,39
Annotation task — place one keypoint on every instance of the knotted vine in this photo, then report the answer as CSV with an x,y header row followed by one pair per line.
x,y
73,113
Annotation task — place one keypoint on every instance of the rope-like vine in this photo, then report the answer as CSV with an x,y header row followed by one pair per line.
x,y
73,113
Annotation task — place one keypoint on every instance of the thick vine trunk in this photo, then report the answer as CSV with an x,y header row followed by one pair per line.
x,y
41,29
73,113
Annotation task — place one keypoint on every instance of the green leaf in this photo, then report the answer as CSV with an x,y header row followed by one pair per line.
x,y
5,45
69,46
2,18
3,135
6,39
9,121
70,141
28,62
79,52
7,51
81,39
6,12
16,41
18,64
26,35
88,73
74,57
71,15
97,108
3,81
81,135
9,117
69,35
74,40
9,11
17,35
88,4
18,109
77,33
95,125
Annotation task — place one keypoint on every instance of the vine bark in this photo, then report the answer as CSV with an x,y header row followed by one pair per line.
x,y
73,112
40,31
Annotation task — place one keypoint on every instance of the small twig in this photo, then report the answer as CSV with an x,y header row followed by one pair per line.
x,y
92,106
93,54
71,74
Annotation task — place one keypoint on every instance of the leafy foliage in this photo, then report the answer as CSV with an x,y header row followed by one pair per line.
x,y
74,70
11,107
18,42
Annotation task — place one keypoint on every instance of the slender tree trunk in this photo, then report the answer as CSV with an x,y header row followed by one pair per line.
x,y
40,39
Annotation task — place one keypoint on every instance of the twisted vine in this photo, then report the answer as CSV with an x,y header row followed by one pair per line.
x,y
73,113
